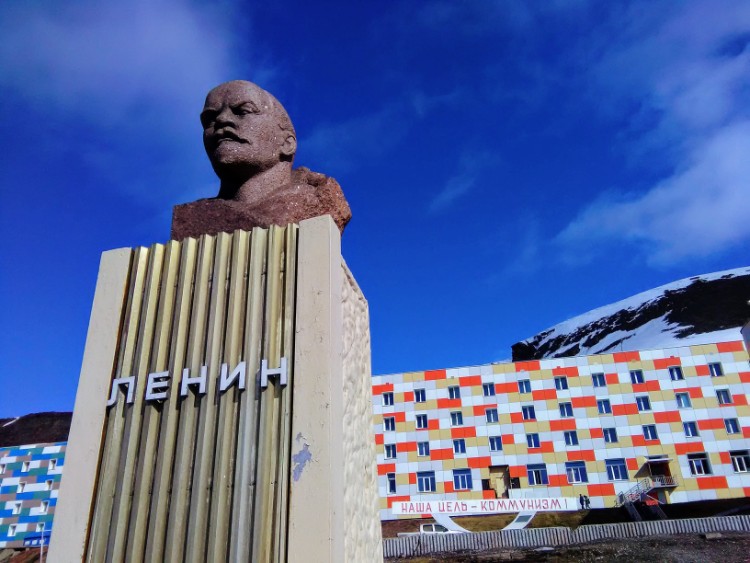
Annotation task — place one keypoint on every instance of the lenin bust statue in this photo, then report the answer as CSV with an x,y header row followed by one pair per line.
x,y
251,143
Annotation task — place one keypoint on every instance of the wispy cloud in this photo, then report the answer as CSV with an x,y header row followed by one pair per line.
x,y
471,167
689,73
132,76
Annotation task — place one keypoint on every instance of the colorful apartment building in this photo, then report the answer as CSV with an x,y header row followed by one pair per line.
x,y
29,483
673,424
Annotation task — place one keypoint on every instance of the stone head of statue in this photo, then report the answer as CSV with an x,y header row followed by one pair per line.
x,y
248,137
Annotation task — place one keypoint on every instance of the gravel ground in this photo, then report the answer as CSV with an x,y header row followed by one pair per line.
x,y
726,548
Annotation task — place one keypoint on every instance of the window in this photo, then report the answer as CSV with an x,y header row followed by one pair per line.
x,y
52,464
496,444
16,508
491,415
21,486
420,396
616,469
454,392
459,446
732,425
715,370
389,423
723,396
537,474
740,461
421,421
391,479
699,464
390,451
488,389
610,435
25,467
532,440
387,399
44,507
11,530
2,468
636,376
524,386
649,432
576,472
571,438
40,527
462,479
675,373
48,485
561,383
528,412
598,379
683,400
604,406
457,419
566,410
423,448
426,481
643,403
691,429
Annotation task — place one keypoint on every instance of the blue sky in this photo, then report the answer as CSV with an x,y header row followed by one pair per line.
x,y
509,164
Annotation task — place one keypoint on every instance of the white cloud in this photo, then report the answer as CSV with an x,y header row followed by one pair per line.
x,y
471,166
691,72
133,75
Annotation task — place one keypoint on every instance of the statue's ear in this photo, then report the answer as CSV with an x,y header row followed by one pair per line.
x,y
289,146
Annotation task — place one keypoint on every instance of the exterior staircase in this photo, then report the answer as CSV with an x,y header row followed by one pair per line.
x,y
641,494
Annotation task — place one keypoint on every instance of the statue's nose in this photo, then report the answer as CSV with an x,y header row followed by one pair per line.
x,y
224,117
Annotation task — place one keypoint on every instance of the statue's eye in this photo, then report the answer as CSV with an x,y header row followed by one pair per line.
x,y
245,109
208,117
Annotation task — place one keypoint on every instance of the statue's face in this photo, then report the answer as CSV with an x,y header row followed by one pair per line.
x,y
241,129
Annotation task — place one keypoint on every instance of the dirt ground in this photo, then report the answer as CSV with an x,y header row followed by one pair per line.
x,y
727,548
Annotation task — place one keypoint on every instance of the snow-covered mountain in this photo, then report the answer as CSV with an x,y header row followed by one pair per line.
x,y
696,310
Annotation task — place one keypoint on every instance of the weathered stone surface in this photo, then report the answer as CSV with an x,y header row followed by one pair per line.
x,y
250,141
310,194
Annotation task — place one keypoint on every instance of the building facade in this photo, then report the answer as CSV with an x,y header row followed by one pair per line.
x,y
29,482
671,425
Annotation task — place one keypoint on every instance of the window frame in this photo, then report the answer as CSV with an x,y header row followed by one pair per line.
x,y
715,369
390,483
388,399
699,464
571,437
566,409
462,480
740,458
617,469
389,424
528,412
454,392
426,478
690,427
389,448
491,415
524,386
539,473
637,377
577,470
561,383
643,403
457,418
421,421
604,406
724,397
423,448
676,373
532,440
488,389
649,432
461,443
420,395
493,441
735,423
610,435
598,380
683,400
